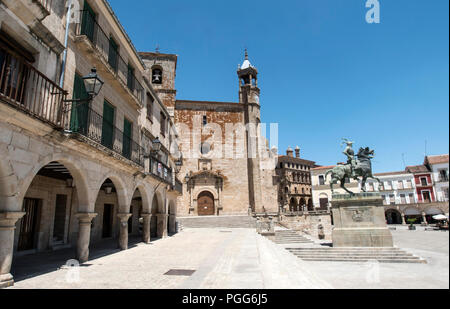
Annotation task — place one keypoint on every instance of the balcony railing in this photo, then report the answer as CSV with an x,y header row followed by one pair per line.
x,y
27,89
109,50
161,171
443,178
84,121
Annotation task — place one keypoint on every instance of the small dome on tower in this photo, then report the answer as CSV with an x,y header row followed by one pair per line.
x,y
246,63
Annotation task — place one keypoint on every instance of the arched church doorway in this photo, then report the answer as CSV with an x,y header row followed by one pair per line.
x,y
205,204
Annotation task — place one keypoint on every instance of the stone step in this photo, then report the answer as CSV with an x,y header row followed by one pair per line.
x,y
420,261
358,256
366,253
347,249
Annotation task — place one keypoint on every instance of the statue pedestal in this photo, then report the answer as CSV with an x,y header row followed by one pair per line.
x,y
360,221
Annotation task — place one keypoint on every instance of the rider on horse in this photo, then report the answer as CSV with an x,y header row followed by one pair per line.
x,y
350,153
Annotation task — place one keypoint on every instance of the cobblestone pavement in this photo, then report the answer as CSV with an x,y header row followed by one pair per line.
x,y
237,258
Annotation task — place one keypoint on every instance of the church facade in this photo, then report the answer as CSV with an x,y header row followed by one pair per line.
x,y
228,168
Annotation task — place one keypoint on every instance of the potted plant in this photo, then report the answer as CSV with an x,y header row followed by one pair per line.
x,y
411,222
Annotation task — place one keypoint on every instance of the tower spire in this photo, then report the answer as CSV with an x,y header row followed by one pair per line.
x,y
246,54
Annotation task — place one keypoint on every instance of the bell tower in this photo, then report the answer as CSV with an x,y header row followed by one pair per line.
x,y
248,82
249,96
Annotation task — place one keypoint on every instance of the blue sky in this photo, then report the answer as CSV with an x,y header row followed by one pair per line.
x,y
325,73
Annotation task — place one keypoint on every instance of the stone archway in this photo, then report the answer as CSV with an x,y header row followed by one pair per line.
x,y
393,216
293,206
205,204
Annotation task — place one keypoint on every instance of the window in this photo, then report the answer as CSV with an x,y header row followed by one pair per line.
x,y
424,181
127,138
157,76
205,148
392,198
443,175
113,54
205,120
412,199
88,22
400,185
163,124
322,180
108,125
409,184
130,78
403,199
150,101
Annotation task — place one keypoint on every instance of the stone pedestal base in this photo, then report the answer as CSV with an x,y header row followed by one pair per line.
x,y
360,221
6,281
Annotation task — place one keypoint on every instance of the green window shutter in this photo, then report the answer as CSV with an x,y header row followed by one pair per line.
x,y
130,79
108,125
127,137
113,54
88,21
80,110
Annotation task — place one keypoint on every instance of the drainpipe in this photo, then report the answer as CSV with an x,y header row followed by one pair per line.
x,y
66,40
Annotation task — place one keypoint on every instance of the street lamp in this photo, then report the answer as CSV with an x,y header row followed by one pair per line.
x,y
156,146
93,83
179,164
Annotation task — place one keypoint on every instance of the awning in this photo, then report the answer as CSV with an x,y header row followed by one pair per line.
x,y
440,217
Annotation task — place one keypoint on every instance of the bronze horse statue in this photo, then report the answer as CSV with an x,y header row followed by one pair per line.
x,y
362,168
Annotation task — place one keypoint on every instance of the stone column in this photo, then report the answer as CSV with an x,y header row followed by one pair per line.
x,y
123,232
146,238
173,223
162,225
8,222
84,235
424,218
403,219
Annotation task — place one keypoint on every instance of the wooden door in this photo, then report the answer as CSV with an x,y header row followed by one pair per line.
x,y
205,204
29,225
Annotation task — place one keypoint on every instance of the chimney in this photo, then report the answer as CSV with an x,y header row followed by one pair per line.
x,y
297,152
290,152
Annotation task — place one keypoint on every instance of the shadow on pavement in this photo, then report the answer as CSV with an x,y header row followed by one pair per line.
x,y
29,266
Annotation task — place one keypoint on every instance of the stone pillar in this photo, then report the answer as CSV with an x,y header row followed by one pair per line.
x,y
424,218
146,238
162,225
84,236
172,223
123,232
8,222
403,219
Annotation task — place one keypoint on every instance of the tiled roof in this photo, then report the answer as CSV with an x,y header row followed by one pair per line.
x,y
295,160
436,159
324,168
417,169
392,173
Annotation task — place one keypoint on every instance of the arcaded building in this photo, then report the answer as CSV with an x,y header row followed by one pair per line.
x,y
80,164
227,166
295,190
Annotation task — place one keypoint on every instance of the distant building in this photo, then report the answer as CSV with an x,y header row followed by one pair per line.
x,y
438,165
294,174
420,192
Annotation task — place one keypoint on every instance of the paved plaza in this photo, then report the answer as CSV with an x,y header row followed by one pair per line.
x,y
234,259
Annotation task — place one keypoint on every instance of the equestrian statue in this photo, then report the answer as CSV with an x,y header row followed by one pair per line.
x,y
357,166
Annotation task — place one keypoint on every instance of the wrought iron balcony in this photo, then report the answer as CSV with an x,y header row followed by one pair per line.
x,y
161,171
27,89
84,121
108,49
